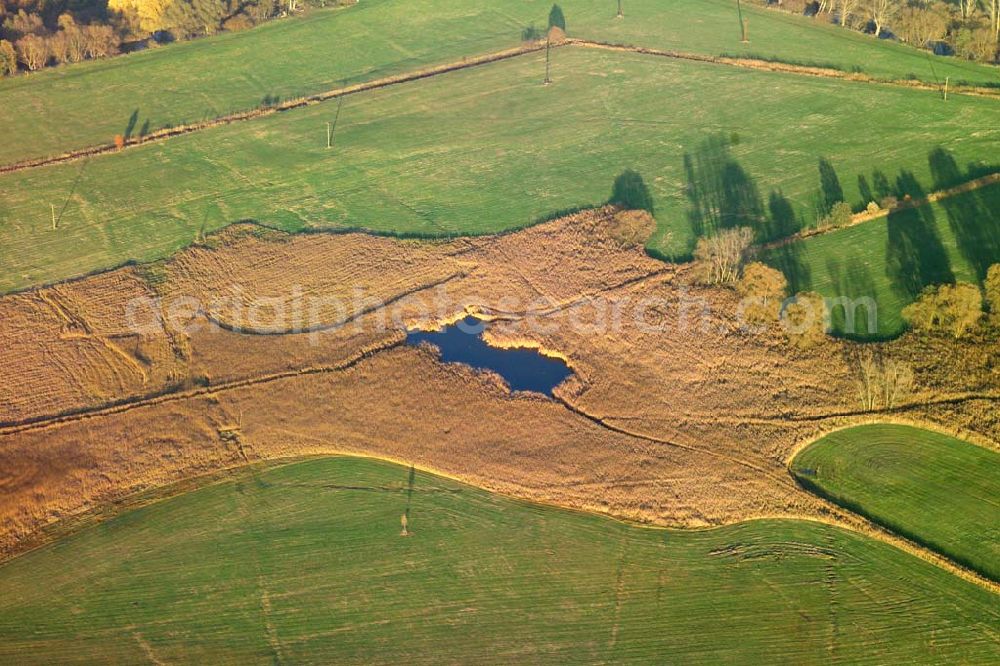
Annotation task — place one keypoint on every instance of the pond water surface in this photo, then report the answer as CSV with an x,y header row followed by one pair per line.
x,y
523,369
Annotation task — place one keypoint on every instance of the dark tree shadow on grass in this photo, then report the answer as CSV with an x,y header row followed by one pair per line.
x,y
130,125
830,191
789,260
915,256
630,191
974,217
720,193
853,310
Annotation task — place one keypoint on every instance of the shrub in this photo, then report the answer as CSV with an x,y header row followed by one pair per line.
x,y
839,216
872,208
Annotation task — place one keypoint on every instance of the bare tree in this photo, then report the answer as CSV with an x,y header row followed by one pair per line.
x,y
33,51
719,258
882,12
847,8
994,9
881,382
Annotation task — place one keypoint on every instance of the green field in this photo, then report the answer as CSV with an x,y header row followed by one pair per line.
x,y
934,489
890,260
488,149
305,563
71,107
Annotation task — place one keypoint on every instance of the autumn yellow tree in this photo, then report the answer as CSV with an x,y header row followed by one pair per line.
x,y
948,308
805,320
992,288
762,289
150,12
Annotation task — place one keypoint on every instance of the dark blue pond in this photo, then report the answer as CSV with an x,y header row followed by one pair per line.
x,y
523,369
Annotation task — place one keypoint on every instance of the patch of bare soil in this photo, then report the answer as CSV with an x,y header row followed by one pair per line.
x,y
675,415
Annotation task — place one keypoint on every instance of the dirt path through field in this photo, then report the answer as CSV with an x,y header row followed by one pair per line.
x,y
907,204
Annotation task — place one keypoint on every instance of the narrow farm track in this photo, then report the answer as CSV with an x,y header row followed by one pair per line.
x,y
908,204
476,61
785,68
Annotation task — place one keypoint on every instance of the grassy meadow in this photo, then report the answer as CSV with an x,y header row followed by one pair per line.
x,y
935,489
892,259
305,563
65,108
489,149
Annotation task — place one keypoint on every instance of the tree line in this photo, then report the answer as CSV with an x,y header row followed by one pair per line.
x,y
42,33
966,28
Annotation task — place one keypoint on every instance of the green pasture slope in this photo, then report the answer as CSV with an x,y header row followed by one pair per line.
x,y
66,108
892,259
305,563
934,489
490,148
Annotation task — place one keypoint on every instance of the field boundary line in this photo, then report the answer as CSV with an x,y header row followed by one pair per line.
x,y
906,204
296,103
783,67
468,62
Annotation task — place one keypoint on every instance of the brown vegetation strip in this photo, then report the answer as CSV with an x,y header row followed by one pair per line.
x,y
906,204
475,61
786,68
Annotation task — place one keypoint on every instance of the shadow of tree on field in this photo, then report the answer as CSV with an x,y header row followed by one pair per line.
x,y
789,260
855,314
720,193
915,256
783,221
830,191
630,191
974,217
130,125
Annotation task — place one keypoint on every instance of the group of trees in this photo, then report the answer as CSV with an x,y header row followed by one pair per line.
x,y
956,309
721,259
967,28
39,33
29,43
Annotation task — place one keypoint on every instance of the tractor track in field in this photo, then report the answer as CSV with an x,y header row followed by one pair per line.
x,y
476,61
